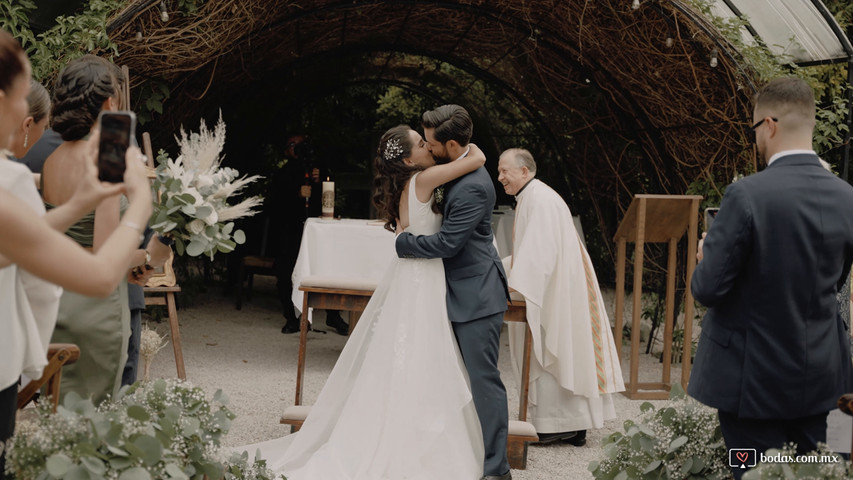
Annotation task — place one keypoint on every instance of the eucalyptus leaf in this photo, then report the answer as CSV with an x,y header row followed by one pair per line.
x,y
652,466
117,451
191,426
138,413
95,466
677,443
239,237
195,248
136,473
174,471
120,463
151,448
77,472
58,464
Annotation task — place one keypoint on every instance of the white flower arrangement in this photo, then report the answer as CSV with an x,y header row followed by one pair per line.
x,y
193,195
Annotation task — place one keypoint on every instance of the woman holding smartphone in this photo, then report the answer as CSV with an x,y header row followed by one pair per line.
x,y
99,326
34,246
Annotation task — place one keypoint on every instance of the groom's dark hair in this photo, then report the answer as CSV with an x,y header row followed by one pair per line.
x,y
451,122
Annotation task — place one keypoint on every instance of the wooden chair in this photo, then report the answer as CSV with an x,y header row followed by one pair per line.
x,y
252,265
58,354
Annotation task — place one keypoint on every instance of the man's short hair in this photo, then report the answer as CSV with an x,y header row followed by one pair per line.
x,y
523,157
787,95
451,122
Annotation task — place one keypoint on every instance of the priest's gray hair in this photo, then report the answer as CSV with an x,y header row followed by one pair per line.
x,y
523,157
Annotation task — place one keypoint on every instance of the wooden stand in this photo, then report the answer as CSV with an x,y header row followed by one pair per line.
x,y
168,299
164,283
521,432
656,219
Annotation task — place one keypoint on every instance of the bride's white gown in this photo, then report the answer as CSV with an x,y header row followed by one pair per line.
x,y
397,404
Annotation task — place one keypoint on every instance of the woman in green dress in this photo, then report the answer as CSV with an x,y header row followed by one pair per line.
x,y
99,326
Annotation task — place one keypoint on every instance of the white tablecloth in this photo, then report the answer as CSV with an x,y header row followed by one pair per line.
x,y
358,249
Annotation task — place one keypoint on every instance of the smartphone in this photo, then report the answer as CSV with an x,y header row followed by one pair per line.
x,y
710,215
118,131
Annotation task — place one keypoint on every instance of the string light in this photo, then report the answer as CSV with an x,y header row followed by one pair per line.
x,y
164,15
635,5
714,60
669,42
139,33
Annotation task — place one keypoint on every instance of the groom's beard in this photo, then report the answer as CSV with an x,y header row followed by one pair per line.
x,y
441,159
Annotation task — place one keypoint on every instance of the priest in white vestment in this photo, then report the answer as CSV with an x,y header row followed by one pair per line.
x,y
574,369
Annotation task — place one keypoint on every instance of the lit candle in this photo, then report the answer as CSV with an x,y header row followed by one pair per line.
x,y
328,199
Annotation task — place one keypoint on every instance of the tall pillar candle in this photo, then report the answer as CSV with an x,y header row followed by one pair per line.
x,y
328,199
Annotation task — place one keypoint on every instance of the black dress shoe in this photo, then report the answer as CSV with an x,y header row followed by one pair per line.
x,y
545,438
292,326
578,440
335,322
505,476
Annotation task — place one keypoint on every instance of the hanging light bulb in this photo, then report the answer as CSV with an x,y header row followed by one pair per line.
x,y
635,5
714,60
139,35
669,42
164,15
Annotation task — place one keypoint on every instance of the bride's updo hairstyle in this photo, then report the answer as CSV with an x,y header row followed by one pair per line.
x,y
391,173
80,92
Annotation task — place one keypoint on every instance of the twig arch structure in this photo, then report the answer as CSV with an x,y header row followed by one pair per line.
x,y
613,100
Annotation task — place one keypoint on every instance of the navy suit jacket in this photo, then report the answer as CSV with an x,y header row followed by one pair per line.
x,y
773,345
476,281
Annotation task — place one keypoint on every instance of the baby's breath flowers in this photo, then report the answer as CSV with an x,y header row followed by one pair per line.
x,y
682,439
150,342
151,430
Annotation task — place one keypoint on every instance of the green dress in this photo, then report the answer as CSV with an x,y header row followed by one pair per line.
x,y
99,326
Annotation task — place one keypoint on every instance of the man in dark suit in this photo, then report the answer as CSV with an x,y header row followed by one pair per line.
x,y
476,282
773,357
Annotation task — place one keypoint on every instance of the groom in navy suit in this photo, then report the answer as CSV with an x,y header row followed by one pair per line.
x,y
476,282
773,356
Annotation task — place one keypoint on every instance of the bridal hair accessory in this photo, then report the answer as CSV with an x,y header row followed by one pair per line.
x,y
392,149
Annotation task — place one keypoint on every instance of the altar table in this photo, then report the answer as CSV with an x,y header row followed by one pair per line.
x,y
355,249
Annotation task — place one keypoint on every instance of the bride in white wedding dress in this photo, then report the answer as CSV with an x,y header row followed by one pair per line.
x,y
397,404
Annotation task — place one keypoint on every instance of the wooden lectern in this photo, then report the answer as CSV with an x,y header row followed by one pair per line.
x,y
656,219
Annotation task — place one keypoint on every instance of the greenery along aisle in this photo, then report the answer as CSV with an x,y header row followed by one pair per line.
x,y
682,440
165,429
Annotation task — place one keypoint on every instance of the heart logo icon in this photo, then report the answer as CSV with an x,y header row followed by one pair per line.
x,y
742,456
